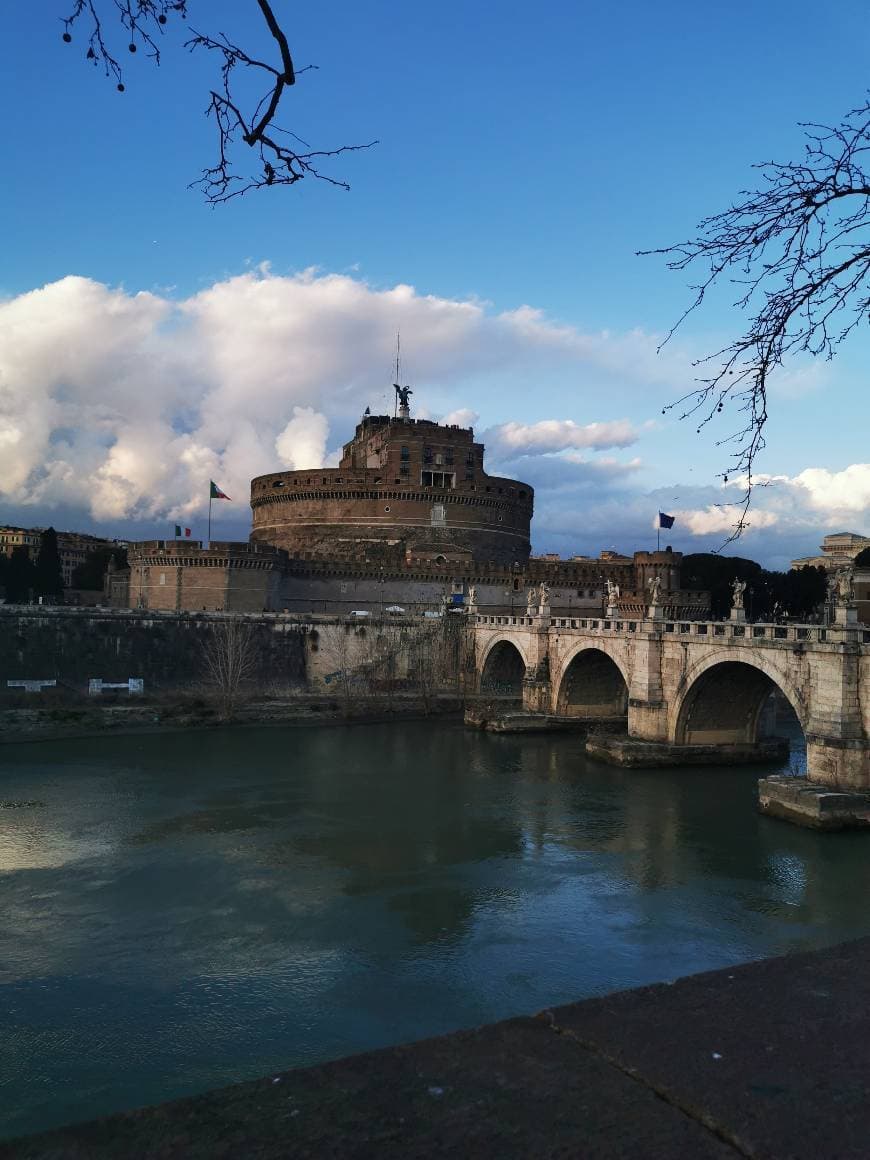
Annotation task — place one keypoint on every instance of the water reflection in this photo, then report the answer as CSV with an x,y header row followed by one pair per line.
x,y
189,911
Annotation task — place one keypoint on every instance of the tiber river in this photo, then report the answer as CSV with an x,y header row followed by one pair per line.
x,y
181,911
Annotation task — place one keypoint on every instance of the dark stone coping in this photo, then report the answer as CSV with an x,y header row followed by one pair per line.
x,y
769,1059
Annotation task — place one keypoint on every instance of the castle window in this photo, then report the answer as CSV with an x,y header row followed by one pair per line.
x,y
522,494
406,453
387,508
404,469
439,515
442,479
469,475
427,454
162,577
278,483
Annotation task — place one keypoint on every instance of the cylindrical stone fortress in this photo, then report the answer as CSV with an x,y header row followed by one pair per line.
x,y
404,487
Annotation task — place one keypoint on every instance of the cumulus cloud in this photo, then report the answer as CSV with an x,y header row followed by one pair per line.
x,y
302,443
462,417
844,491
723,519
558,435
123,405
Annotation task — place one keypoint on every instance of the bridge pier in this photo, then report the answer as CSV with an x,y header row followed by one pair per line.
x,y
838,752
647,707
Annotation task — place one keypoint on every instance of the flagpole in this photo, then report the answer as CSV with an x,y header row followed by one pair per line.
x,y
209,516
658,534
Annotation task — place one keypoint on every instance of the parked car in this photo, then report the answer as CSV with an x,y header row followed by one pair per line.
x,y
359,612
394,609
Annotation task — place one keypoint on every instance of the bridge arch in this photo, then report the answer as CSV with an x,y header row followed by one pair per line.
x,y
723,699
502,668
592,683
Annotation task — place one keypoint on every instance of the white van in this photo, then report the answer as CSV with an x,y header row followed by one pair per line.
x,y
358,612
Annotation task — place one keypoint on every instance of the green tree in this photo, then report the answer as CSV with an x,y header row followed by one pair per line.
x,y
714,573
91,572
20,576
48,578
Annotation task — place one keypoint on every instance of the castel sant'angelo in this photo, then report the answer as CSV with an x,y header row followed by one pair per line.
x,y
408,520
405,489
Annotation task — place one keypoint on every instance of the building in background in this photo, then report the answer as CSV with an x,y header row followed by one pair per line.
x,y
72,547
838,551
12,538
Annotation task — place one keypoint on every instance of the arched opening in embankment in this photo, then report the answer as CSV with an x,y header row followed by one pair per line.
x,y
733,703
503,671
592,686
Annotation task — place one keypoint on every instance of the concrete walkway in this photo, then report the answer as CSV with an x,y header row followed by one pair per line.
x,y
771,1059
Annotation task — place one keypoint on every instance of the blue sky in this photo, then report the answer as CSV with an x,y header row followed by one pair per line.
x,y
148,341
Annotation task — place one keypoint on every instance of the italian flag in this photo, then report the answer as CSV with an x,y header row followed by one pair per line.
x,y
178,530
216,492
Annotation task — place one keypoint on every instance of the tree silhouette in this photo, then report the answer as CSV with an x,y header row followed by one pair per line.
x,y
798,248
47,576
19,576
282,158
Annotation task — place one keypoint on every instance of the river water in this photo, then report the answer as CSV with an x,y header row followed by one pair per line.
x,y
181,911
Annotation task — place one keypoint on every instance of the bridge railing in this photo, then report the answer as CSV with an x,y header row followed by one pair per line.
x,y
716,629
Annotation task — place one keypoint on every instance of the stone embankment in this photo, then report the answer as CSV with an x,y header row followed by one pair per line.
x,y
47,724
766,1060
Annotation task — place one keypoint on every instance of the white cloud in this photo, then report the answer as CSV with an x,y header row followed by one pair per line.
x,y
462,417
123,405
558,435
837,491
302,443
723,519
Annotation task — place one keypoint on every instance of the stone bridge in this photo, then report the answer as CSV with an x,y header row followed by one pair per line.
x,y
691,683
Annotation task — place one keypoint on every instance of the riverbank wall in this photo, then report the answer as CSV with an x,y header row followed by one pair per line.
x,y
73,646
207,668
759,1060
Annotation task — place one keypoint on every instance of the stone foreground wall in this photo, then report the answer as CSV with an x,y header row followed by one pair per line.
x,y
166,649
352,657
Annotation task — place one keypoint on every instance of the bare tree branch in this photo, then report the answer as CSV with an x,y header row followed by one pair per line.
x,y
277,162
798,247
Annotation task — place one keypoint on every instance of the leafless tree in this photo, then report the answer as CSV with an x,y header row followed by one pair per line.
x,y
282,158
229,659
798,248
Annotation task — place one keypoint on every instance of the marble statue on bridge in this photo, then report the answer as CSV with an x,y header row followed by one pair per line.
x,y
845,586
544,599
738,587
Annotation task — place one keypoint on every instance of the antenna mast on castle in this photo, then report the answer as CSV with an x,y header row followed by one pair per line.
x,y
403,407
